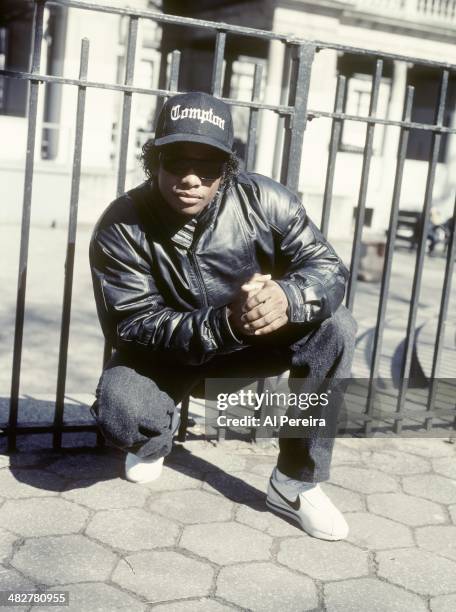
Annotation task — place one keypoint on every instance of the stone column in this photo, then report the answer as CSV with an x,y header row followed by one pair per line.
x,y
387,168
269,120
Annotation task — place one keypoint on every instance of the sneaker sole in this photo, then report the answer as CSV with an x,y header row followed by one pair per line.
x,y
290,514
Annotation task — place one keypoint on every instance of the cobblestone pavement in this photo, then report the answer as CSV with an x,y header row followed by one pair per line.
x,y
201,538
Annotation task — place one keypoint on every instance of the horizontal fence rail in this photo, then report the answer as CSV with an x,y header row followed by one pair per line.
x,y
296,115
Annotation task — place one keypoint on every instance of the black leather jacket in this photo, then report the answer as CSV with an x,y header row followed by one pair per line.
x,y
155,295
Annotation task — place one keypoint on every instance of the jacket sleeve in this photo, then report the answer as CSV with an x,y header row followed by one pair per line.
x,y
134,315
315,277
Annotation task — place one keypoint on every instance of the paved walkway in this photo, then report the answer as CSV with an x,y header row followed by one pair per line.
x,y
201,538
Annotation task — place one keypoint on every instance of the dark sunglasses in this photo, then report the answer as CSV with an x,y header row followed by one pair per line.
x,y
205,169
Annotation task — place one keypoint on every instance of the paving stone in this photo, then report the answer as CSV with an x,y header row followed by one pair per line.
x,y
208,459
11,580
164,576
193,605
19,483
364,445
29,459
60,559
4,461
257,515
192,506
132,529
406,509
396,462
238,486
262,469
108,494
100,465
430,486
441,540
374,594
425,447
377,532
37,517
176,480
34,442
225,543
445,466
452,511
265,587
373,445
265,447
443,603
343,454
94,597
323,560
78,439
6,543
418,570
345,500
363,480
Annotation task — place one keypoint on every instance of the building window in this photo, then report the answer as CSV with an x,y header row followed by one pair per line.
x,y
239,78
15,41
426,84
357,101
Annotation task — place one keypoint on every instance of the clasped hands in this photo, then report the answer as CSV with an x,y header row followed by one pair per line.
x,y
260,307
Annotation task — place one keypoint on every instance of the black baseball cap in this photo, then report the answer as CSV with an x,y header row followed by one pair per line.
x,y
195,117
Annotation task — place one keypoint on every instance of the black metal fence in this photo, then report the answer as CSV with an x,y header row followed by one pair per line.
x,y
296,114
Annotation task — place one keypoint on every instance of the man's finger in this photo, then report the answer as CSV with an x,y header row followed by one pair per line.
x,y
252,287
263,321
276,324
256,282
258,298
262,310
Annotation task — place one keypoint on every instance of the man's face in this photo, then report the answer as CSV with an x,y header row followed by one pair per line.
x,y
189,176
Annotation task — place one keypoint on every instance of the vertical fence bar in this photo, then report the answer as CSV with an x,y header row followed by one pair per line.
x,y
25,224
171,84
360,212
333,146
285,85
389,252
217,66
71,245
295,125
182,432
173,81
435,149
446,292
253,119
216,90
125,129
126,107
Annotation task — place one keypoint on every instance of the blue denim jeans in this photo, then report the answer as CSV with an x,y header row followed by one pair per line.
x,y
137,395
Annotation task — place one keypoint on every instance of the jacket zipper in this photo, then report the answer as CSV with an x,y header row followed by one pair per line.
x,y
199,277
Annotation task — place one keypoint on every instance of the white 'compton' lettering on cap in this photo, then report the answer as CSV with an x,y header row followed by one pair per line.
x,y
197,113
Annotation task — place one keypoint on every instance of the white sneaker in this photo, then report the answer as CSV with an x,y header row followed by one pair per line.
x,y
307,504
143,469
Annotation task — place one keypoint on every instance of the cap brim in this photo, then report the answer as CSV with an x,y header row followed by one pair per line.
x,y
159,142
